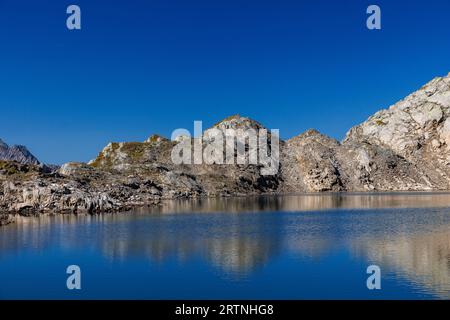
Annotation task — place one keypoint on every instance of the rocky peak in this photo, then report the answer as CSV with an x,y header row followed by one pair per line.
x,y
238,122
3,145
405,127
309,163
312,135
241,126
17,153
415,129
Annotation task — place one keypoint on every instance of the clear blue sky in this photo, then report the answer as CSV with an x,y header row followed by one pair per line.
x,y
151,66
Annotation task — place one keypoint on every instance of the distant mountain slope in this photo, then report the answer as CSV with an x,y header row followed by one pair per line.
x,y
17,153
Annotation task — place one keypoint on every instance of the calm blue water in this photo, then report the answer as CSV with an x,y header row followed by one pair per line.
x,y
290,247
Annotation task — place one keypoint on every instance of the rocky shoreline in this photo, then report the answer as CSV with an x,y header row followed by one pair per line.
x,y
403,148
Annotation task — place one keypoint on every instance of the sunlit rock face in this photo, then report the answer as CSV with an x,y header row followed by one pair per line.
x,y
313,162
406,147
407,126
417,129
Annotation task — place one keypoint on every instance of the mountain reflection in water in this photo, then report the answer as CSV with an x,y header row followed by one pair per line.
x,y
408,235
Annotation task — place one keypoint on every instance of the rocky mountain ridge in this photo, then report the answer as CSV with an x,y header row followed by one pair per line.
x,y
16,153
403,148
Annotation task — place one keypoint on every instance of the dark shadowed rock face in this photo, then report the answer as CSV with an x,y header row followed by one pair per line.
x,y
406,147
16,153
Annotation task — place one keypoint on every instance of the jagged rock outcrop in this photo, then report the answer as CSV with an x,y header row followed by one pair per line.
x,y
313,162
416,129
403,148
309,164
16,153
28,190
406,147
366,167
152,159
411,124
